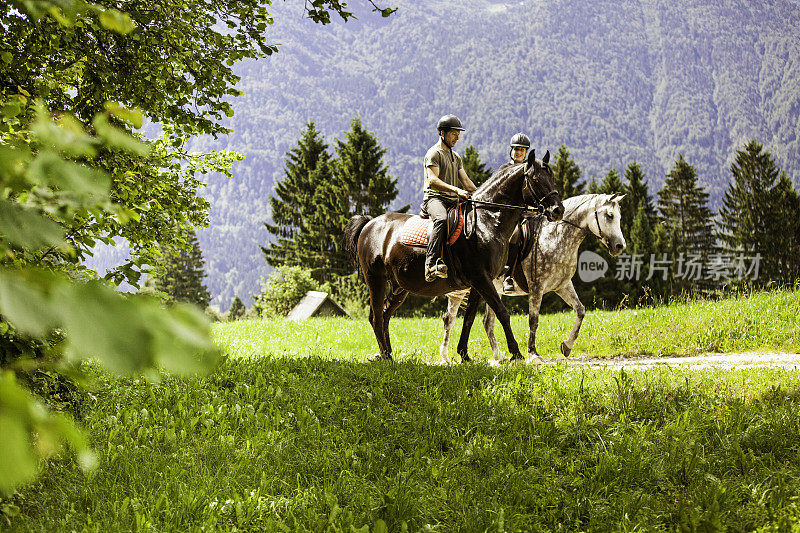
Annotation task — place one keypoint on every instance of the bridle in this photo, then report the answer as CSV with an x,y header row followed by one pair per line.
x,y
471,205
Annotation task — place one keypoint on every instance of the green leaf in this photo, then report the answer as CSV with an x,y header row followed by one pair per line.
x,y
18,464
117,21
24,302
6,57
117,138
27,228
134,117
65,135
120,336
49,169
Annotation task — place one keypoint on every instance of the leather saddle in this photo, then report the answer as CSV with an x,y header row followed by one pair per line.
x,y
416,230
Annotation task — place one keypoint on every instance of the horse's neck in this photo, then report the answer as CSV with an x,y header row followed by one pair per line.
x,y
507,189
578,219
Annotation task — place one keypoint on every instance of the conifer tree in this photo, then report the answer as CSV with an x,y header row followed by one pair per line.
x,y
637,196
683,205
567,174
611,183
360,168
360,185
787,242
475,169
181,274
292,205
748,219
319,194
237,309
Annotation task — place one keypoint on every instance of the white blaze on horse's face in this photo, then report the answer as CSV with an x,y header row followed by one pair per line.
x,y
608,216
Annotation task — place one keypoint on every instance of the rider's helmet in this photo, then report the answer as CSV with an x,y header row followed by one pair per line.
x,y
521,140
449,122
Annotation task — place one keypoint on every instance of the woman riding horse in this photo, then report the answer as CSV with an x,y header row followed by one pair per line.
x,y
477,257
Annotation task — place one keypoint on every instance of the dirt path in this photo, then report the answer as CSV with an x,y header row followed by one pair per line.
x,y
727,360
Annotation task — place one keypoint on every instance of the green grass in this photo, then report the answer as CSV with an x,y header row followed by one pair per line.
x,y
761,321
295,433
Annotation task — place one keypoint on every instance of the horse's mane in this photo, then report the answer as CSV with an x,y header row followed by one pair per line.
x,y
498,177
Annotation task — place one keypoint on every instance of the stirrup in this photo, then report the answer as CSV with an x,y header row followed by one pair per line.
x,y
508,284
438,270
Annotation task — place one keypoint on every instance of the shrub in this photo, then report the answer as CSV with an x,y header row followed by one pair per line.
x,y
283,290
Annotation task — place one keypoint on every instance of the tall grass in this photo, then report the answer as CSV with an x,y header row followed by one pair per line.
x,y
296,432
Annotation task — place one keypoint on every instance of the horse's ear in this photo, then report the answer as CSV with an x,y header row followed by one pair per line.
x,y
546,158
531,160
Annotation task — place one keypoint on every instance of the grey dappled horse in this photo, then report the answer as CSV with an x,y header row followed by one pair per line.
x,y
550,266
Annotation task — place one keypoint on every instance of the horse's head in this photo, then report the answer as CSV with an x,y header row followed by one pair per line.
x,y
540,189
606,223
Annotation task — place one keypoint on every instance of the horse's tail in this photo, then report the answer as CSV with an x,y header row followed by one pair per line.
x,y
351,232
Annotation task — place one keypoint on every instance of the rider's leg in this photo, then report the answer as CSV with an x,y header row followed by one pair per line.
x,y
511,263
434,266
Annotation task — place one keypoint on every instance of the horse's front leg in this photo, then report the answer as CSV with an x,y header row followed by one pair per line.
x,y
534,305
569,295
488,292
473,302
449,318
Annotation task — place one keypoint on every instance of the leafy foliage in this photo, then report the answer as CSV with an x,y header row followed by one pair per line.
x,y
283,290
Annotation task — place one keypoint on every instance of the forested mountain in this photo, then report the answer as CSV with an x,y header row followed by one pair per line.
x,y
615,81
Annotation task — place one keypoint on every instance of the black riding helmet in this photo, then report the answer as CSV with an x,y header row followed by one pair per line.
x,y
449,122
521,140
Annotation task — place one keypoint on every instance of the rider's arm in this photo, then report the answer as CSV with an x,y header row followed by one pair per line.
x,y
435,183
465,181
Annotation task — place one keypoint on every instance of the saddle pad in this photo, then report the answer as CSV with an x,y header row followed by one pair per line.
x,y
415,231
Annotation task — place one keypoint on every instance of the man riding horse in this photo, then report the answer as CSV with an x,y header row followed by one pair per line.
x,y
443,173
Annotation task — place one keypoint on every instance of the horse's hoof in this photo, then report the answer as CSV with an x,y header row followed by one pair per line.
x,y
465,358
565,350
535,360
497,361
379,357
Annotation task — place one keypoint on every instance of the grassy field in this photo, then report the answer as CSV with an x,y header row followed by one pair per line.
x,y
763,321
295,431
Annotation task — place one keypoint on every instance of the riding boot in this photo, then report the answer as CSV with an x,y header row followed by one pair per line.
x,y
434,266
511,263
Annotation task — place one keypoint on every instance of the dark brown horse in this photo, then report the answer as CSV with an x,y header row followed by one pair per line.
x,y
476,258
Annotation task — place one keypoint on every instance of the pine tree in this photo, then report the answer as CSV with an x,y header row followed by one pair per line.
x,y
319,194
567,174
361,185
237,309
611,183
683,205
637,196
475,169
293,203
787,242
747,220
181,274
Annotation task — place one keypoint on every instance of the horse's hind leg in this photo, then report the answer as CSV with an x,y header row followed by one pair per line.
x,y
569,295
488,292
393,301
488,325
449,318
534,305
473,302
377,287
